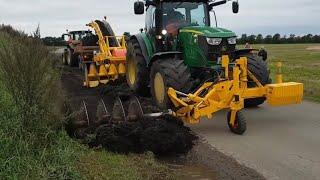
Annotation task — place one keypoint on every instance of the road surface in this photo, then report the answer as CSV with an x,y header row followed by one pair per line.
x,y
280,142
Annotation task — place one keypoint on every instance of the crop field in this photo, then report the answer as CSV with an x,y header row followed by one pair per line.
x,y
301,63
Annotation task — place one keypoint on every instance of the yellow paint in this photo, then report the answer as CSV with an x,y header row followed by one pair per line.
x,y
159,88
191,31
132,72
279,73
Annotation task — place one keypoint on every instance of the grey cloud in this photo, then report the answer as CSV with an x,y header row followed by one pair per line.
x,y
55,16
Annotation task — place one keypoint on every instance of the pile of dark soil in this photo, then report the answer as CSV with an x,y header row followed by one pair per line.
x,y
162,136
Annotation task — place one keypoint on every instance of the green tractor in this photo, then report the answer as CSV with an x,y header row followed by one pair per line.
x,y
178,48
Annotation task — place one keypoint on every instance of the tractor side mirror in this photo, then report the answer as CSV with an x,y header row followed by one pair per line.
x,y
138,7
235,7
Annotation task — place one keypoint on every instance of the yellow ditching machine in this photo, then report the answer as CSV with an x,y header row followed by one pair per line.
x,y
109,58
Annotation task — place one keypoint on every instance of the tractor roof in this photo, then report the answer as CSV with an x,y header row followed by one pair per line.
x,y
79,32
157,1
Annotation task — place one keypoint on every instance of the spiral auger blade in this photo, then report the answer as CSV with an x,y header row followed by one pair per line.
x,y
135,111
118,111
103,114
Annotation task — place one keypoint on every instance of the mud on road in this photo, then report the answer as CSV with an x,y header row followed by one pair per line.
x,y
165,137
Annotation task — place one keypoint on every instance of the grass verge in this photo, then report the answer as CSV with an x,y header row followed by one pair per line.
x,y
301,63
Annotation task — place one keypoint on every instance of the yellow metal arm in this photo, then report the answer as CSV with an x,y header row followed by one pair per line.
x,y
230,94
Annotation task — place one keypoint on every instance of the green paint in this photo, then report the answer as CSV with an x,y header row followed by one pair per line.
x,y
148,44
194,55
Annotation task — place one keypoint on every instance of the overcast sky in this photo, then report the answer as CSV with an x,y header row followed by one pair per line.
x,y
255,16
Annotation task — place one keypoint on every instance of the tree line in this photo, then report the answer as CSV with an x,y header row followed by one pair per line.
x,y
54,41
278,39
252,39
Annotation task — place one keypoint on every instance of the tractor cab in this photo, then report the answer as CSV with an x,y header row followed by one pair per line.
x,y
184,26
76,35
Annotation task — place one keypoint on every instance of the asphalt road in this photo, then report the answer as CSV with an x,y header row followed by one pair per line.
x,y
280,142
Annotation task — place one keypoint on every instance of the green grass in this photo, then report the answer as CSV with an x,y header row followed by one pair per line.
x,y
300,65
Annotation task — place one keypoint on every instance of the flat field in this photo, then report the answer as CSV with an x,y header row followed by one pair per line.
x,y
301,63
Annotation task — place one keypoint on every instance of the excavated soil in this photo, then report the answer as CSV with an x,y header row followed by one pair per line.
x,y
163,135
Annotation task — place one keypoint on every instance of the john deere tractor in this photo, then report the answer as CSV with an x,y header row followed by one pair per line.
x,y
180,49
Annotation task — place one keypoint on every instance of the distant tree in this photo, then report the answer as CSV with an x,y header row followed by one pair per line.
x,y
268,39
243,39
276,38
251,39
259,39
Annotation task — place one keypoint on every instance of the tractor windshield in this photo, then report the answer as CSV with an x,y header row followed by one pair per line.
x,y
182,14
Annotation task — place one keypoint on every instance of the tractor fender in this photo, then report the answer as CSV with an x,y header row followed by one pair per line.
x,y
165,55
143,46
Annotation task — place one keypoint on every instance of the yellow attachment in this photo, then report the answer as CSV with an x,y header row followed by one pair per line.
x,y
112,70
279,73
91,79
122,69
111,59
103,71
284,93
225,64
92,71
230,94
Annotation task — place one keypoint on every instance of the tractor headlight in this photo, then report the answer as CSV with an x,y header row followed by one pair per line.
x,y
164,32
214,41
232,40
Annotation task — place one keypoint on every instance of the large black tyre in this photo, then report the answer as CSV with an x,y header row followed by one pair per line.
x,y
90,40
137,72
259,68
72,59
167,73
107,31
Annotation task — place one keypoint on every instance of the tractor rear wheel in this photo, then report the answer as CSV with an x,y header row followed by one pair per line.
x,y
137,73
168,73
259,68
64,57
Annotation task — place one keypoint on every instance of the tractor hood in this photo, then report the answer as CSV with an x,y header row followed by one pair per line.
x,y
208,31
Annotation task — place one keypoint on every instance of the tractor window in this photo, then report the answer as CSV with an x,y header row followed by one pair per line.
x,y
181,14
150,18
198,16
77,37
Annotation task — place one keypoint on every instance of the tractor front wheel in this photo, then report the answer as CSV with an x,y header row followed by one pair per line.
x,y
137,73
167,73
240,125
